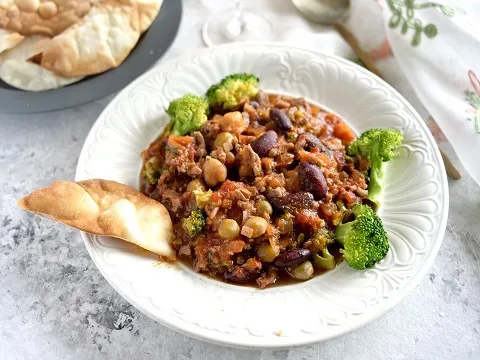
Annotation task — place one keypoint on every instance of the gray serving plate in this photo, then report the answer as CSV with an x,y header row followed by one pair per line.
x,y
151,46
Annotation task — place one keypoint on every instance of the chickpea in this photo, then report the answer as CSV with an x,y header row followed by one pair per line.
x,y
214,172
228,229
267,253
303,271
224,140
196,184
229,158
233,122
254,227
263,206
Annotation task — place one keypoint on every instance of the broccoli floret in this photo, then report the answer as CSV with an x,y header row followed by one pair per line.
x,y
194,223
377,146
232,91
152,170
364,239
187,114
321,239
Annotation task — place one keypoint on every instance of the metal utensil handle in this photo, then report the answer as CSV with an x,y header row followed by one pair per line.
x,y
351,39
451,170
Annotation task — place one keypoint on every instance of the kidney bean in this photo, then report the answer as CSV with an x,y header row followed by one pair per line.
x,y
312,180
299,200
254,104
309,141
262,98
238,275
281,119
265,143
340,159
292,257
150,188
276,199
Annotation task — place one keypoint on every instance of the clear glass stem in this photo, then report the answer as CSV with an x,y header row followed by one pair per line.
x,y
235,25
240,13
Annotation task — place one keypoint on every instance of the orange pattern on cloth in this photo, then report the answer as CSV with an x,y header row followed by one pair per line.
x,y
383,51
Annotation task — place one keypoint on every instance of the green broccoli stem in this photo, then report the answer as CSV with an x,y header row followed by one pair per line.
x,y
377,176
168,128
325,261
341,232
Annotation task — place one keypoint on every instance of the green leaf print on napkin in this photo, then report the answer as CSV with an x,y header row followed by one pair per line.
x,y
403,16
473,99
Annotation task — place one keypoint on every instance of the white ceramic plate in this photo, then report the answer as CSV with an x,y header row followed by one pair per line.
x,y
340,301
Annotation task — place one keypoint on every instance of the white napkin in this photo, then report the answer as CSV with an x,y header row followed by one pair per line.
x,y
436,47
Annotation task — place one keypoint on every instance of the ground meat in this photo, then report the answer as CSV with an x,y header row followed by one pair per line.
x,y
220,154
200,143
268,165
211,129
249,163
185,250
266,186
267,278
181,155
253,115
272,181
172,200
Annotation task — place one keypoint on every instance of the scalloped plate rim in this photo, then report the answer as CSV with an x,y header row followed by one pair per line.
x,y
368,316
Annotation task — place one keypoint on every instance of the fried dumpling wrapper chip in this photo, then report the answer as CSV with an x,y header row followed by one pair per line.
x,y
100,41
17,71
9,39
42,17
106,208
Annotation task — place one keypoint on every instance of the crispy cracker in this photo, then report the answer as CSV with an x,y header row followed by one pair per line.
x,y
100,41
17,71
106,208
42,17
9,39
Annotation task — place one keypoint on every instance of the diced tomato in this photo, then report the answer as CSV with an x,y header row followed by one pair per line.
x,y
350,197
309,219
343,132
176,141
226,250
332,118
252,265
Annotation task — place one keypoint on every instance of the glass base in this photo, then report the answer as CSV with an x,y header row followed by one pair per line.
x,y
225,28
